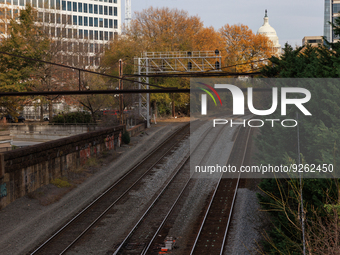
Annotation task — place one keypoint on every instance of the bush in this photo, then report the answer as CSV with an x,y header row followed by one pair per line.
x,y
73,117
126,137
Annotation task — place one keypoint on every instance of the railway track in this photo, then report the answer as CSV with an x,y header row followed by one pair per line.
x,y
68,235
212,235
143,233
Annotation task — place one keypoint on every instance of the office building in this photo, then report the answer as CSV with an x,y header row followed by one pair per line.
x,y
332,8
83,27
312,40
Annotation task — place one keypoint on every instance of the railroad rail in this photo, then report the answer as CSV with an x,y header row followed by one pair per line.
x,y
67,236
212,235
140,237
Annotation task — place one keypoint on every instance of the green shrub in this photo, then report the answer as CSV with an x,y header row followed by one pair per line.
x,y
73,117
60,183
126,137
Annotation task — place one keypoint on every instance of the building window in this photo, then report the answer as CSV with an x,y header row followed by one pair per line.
x,y
96,22
74,6
15,2
63,4
106,23
96,35
80,20
110,23
69,19
110,1
52,17
64,18
40,2
105,10
58,31
86,34
22,3
106,36
91,47
40,16
80,33
69,6
96,48
101,37
85,21
116,23
53,31
80,7
58,18
75,33
100,22
95,9
90,21
69,33
34,3
111,35
52,4
47,17
115,11
336,8
115,1
100,9
74,20
90,8
58,4
85,8
91,34
110,11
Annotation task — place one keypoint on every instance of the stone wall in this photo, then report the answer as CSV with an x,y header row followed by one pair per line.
x,y
25,170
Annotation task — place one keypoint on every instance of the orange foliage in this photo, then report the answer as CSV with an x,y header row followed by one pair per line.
x,y
243,46
208,39
166,29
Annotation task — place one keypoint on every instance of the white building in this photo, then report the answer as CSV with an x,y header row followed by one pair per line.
x,y
83,26
270,32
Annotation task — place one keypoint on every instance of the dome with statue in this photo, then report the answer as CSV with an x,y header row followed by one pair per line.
x,y
270,32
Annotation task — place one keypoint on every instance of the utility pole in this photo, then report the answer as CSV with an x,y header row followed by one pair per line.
x,y
173,105
121,95
300,177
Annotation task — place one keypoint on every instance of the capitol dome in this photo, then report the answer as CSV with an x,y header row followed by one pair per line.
x,y
270,32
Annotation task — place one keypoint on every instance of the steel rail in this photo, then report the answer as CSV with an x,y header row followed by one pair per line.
x,y
111,187
213,197
180,167
234,198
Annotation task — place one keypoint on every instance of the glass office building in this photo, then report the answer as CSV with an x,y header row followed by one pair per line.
x,y
332,9
82,27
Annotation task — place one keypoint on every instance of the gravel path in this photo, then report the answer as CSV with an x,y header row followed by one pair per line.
x,y
25,222
244,235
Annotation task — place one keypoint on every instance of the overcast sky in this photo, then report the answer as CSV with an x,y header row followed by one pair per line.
x,y
292,19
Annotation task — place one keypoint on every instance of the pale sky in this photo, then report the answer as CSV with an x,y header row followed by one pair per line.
x,y
292,19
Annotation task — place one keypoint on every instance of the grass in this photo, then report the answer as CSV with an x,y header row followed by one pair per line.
x,y
61,183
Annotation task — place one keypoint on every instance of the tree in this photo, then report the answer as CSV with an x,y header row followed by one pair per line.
x,y
319,139
25,38
162,30
243,46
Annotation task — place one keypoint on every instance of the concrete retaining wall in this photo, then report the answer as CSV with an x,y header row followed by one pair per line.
x,y
136,129
48,132
25,170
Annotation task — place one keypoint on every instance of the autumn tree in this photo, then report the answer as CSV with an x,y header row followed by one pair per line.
x,y
24,38
162,30
243,46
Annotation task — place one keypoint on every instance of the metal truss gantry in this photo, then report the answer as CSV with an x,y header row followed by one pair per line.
x,y
172,62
